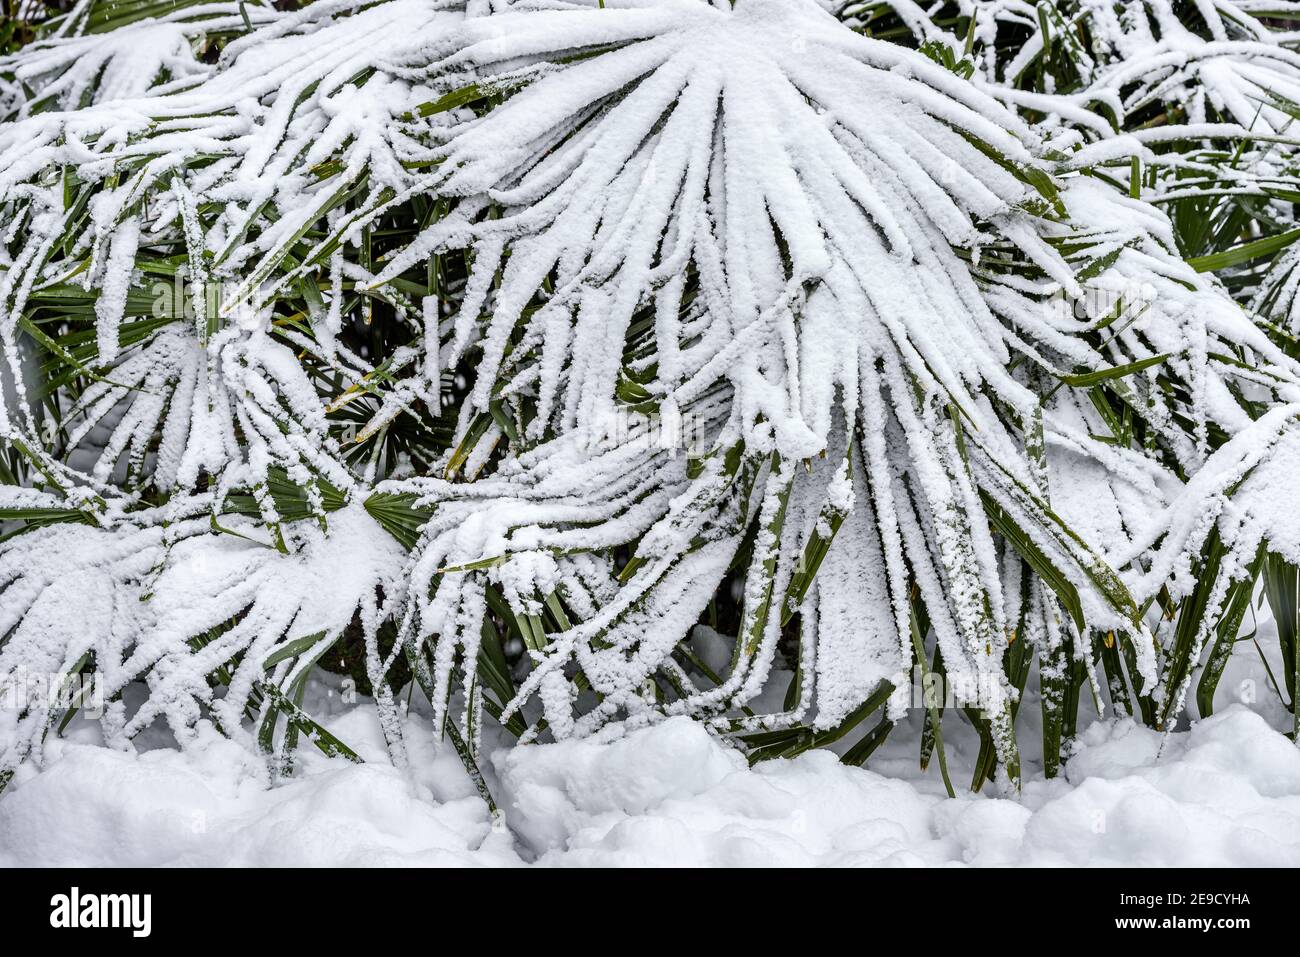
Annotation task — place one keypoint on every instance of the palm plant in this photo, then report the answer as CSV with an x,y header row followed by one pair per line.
x,y
382,328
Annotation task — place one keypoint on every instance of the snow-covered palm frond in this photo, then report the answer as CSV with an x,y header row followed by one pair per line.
x,y
705,213
1278,294
1219,61
1231,68
68,71
180,605
238,187
623,316
1189,106
157,368
1011,44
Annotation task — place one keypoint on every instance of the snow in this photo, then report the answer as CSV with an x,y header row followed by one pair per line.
x,y
850,251
1225,792
139,609
822,188
213,808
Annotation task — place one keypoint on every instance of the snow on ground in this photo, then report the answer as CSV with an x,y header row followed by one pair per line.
x,y
1226,791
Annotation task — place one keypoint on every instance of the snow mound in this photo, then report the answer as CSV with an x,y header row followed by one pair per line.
x,y
93,806
671,795
1227,792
